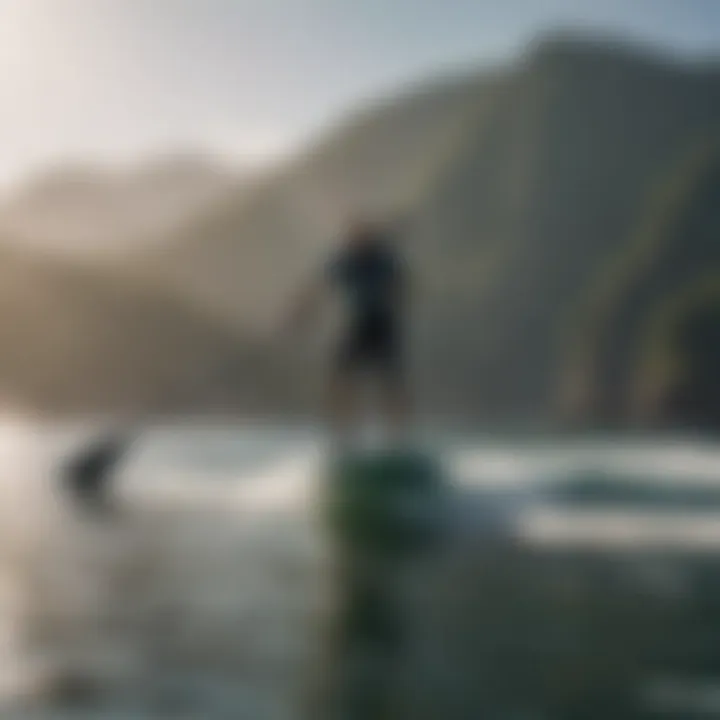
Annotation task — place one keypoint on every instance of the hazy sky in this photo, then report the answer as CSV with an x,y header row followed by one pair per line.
x,y
115,79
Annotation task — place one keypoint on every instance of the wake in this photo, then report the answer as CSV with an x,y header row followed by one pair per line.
x,y
212,595
202,596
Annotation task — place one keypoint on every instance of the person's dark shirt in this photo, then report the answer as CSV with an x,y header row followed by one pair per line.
x,y
370,277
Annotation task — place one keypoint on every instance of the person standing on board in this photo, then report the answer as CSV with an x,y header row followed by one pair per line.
x,y
369,275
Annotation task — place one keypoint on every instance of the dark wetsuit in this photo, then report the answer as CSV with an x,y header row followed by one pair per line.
x,y
370,278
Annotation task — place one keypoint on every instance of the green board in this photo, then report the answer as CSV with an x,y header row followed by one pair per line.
x,y
384,509
389,502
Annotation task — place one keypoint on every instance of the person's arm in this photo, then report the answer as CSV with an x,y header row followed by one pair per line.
x,y
308,300
306,303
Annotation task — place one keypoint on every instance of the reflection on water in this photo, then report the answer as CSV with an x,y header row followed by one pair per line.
x,y
579,578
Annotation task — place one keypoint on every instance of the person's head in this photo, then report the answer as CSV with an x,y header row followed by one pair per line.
x,y
362,232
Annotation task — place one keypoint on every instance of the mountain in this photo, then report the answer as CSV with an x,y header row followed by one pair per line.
x,y
94,212
245,259
519,191
578,148
75,340
646,338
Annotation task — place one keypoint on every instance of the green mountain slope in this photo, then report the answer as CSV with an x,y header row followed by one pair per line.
x,y
588,133
517,189
629,336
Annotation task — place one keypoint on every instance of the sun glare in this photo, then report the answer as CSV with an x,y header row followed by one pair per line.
x,y
30,40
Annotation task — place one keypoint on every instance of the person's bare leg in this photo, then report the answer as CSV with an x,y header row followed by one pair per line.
x,y
342,405
396,407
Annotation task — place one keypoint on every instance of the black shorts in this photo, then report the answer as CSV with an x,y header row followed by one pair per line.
x,y
371,343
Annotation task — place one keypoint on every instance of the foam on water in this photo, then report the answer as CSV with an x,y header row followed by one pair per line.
x,y
199,594
203,598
